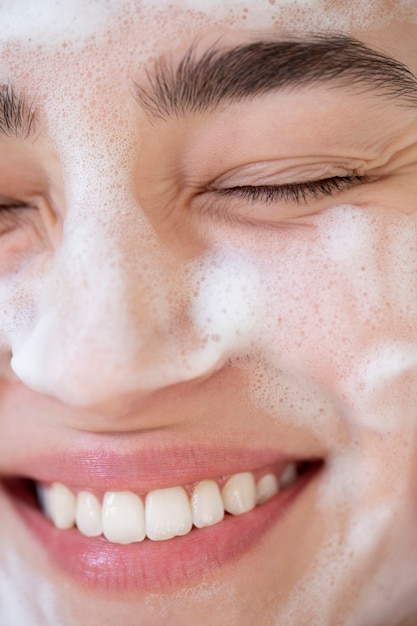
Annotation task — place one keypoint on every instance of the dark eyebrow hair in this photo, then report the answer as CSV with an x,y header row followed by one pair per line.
x,y
17,117
224,76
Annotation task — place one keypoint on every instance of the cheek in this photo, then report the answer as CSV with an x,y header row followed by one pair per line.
x,y
341,295
338,327
339,358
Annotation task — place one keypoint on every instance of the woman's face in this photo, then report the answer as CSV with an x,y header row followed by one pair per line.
x,y
208,285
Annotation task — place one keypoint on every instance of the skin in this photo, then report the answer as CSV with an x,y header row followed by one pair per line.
x,y
338,291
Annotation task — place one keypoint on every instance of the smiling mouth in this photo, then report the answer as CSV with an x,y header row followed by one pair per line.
x,y
163,538
126,517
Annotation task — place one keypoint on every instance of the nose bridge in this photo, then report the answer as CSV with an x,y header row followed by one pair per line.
x,y
109,263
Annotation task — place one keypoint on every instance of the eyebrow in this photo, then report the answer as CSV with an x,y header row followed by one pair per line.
x,y
17,117
225,76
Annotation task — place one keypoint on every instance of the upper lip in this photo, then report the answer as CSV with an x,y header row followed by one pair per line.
x,y
145,459
145,468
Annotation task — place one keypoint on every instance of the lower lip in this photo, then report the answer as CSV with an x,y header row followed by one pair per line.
x,y
155,566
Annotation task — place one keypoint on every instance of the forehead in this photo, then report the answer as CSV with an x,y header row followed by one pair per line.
x,y
131,33
77,61
48,21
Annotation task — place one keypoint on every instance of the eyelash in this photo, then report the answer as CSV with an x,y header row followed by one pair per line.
x,y
8,208
11,215
294,192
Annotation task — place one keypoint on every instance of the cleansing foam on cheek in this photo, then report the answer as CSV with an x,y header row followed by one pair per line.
x,y
230,300
25,597
348,305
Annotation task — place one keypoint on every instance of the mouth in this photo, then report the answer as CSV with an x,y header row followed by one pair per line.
x,y
158,539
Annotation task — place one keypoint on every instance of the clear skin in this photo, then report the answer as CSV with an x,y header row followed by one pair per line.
x,y
342,275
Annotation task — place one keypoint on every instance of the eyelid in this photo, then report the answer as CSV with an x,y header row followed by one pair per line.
x,y
282,173
12,202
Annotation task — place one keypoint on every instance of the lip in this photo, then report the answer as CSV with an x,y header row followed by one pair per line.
x,y
145,467
152,566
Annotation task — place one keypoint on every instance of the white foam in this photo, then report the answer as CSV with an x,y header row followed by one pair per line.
x,y
25,597
53,20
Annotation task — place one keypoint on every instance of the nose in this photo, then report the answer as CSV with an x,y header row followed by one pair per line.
x,y
114,319
115,316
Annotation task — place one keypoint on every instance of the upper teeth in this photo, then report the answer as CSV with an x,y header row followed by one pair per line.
x,y
124,517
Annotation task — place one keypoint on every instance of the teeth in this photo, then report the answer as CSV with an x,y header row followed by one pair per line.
x,y
266,488
168,513
88,514
239,495
60,506
288,476
43,494
207,504
123,517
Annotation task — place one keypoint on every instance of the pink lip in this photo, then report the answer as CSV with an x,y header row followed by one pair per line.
x,y
152,566
144,468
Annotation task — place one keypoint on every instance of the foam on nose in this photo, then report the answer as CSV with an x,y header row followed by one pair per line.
x,y
104,322
114,314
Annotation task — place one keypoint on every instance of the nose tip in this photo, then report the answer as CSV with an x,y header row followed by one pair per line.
x,y
110,379
110,359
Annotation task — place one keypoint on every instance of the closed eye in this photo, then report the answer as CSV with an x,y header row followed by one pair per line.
x,y
294,192
11,214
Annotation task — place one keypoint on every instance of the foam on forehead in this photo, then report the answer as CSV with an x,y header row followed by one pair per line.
x,y
52,20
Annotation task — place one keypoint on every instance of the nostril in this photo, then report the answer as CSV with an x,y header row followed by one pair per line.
x,y
6,371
